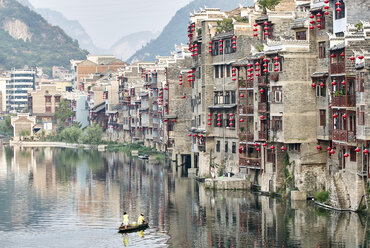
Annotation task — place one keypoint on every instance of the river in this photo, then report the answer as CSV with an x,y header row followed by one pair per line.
x,y
74,198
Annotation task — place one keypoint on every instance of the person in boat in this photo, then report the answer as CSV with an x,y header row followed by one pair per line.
x,y
141,219
125,221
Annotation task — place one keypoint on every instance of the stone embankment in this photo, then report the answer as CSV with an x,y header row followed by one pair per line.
x,y
227,183
56,144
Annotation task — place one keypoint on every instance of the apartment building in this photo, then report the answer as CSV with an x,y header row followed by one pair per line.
x,y
21,81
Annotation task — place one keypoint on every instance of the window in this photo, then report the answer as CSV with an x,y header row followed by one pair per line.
x,y
228,71
227,97
360,81
233,148
301,35
199,120
218,97
218,145
48,99
270,156
217,73
276,123
48,109
322,117
361,115
221,71
226,147
320,90
57,99
341,14
322,50
228,48
215,48
233,97
276,94
56,109
294,147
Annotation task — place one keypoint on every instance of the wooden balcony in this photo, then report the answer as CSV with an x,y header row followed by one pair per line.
x,y
246,137
262,107
262,81
262,135
340,135
337,68
253,163
249,84
344,101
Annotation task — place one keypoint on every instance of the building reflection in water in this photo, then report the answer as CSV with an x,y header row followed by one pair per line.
x,y
84,190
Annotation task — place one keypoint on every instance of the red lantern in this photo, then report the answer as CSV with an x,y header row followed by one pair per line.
x,y
218,124
346,155
183,97
333,83
338,9
333,55
357,149
335,115
322,85
241,95
255,144
209,114
352,58
318,147
313,85
194,135
366,151
342,54
231,119
282,148
361,57
189,134
264,144
272,147
209,123
231,124
241,120
276,58
262,117
344,116
343,82
332,152
258,149
262,90
218,115
231,114
328,148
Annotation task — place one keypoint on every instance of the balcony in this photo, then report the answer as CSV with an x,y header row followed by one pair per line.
x,y
344,101
247,137
262,107
252,163
262,135
340,135
337,68
262,81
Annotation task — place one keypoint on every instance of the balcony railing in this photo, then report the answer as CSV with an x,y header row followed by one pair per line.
x,y
344,101
262,107
249,84
262,135
246,137
340,135
262,81
337,68
250,162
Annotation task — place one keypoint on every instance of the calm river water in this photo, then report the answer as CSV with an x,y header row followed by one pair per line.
x,y
68,198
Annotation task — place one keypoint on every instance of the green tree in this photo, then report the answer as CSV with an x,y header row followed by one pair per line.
x,y
64,113
225,25
92,135
268,4
71,134
5,126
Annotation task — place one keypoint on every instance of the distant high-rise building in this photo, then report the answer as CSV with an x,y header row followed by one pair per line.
x,y
21,81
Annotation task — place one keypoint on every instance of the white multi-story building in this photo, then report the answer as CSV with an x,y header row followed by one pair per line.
x,y
21,81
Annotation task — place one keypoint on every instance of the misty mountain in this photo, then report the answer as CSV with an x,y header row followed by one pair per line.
x,y
128,45
28,39
175,31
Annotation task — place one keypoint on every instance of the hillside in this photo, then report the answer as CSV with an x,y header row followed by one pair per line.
x,y
28,39
176,30
128,45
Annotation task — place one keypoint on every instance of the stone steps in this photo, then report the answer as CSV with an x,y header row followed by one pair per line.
x,y
341,192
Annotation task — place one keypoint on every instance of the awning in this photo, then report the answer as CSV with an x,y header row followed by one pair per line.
x,y
222,106
170,116
99,107
337,47
320,74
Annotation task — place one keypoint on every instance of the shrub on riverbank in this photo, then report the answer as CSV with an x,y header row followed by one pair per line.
x,y
143,150
322,197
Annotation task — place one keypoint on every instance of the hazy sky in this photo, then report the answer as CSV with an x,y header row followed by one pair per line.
x,y
106,21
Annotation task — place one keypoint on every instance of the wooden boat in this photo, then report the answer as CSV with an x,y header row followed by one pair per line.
x,y
143,157
133,228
